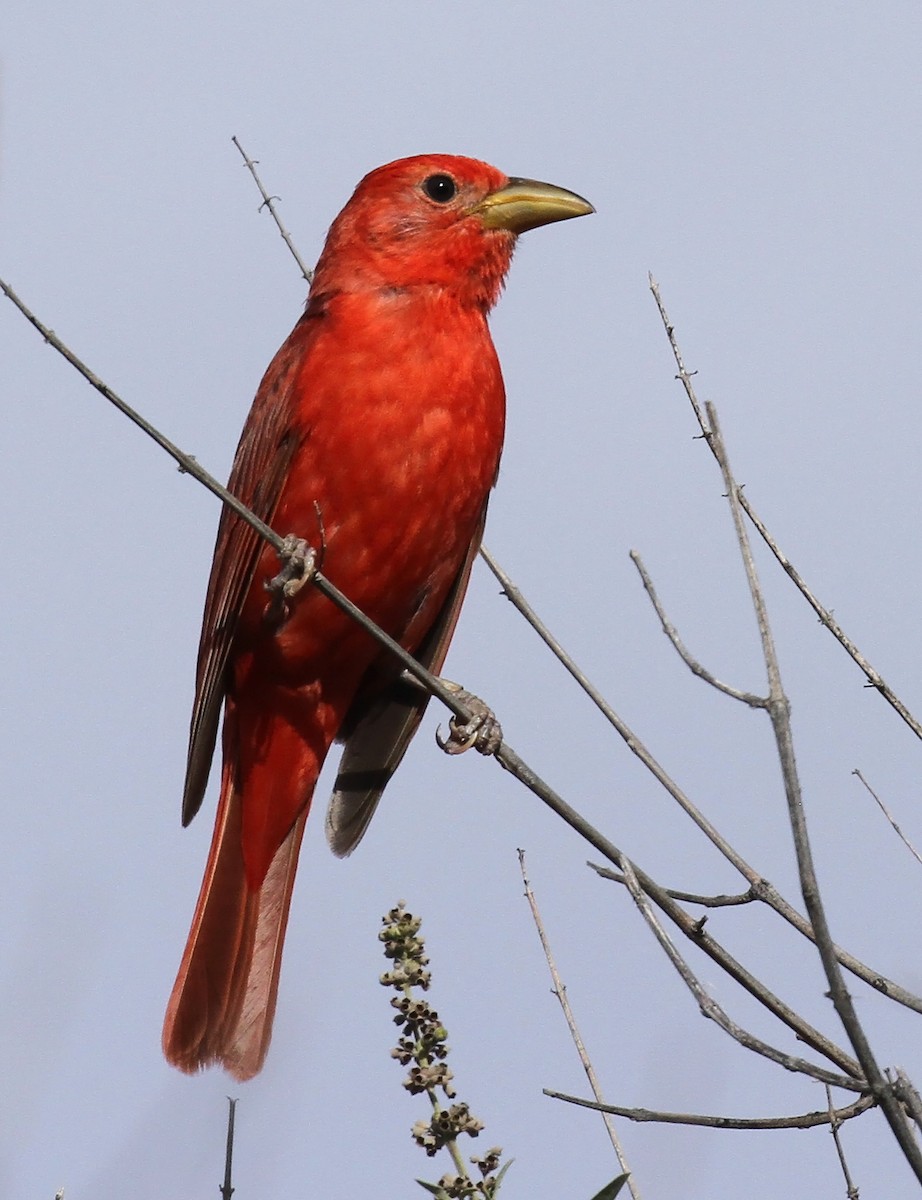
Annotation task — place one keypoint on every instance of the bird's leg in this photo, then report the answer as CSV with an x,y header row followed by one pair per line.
x,y
482,731
299,564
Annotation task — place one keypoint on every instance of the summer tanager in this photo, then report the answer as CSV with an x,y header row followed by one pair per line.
x,y
376,436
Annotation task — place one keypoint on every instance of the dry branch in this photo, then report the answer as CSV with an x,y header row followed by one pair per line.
x,y
560,991
803,1121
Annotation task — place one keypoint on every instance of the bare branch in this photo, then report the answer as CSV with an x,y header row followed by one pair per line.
x,y
708,1006
747,897
762,888
691,927
630,738
779,713
268,202
684,376
834,1122
692,663
896,829
873,676
805,1121
560,991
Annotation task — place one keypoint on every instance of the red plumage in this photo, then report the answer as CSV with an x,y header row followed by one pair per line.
x,y
375,435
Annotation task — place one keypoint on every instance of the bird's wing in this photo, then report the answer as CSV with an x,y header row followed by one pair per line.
x,y
267,444
381,724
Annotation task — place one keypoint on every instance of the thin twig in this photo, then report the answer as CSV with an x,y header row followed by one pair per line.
x,y
873,676
268,202
803,1121
706,1003
226,1188
779,713
762,888
630,738
896,829
692,663
747,897
834,1122
560,991
691,927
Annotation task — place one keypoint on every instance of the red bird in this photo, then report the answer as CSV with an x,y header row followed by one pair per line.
x,y
376,436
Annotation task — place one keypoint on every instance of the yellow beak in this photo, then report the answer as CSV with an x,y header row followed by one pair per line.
x,y
525,204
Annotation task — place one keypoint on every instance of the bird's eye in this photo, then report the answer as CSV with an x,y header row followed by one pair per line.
x,y
440,188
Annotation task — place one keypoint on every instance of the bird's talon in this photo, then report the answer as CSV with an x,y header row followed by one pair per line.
x,y
481,732
299,565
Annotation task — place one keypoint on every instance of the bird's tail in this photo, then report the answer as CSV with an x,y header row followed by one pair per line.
x,y
223,1002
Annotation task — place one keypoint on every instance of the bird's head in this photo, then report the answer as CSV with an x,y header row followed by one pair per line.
x,y
437,220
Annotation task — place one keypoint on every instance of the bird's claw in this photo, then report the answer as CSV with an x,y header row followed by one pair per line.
x,y
481,732
299,565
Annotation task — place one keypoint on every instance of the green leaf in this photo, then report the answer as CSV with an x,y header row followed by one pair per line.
x,y
438,1192
502,1171
611,1189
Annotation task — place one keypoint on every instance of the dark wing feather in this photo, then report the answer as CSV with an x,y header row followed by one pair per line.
x,y
261,464
379,736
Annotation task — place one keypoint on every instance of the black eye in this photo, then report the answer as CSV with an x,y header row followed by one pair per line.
x,y
440,188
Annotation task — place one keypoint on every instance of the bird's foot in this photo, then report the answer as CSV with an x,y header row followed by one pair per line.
x,y
299,565
481,732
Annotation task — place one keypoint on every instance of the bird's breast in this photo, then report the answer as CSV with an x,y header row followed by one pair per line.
x,y
400,416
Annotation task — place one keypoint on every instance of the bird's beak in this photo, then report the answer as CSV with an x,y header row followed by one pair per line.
x,y
525,204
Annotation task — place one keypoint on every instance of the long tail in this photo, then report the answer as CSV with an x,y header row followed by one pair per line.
x,y
223,1002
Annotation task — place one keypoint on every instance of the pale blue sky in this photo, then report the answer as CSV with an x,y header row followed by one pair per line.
x,y
764,162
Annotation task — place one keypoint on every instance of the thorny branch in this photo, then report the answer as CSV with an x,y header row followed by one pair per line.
x,y
269,203
779,713
873,676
